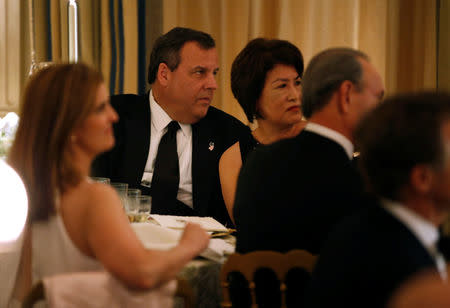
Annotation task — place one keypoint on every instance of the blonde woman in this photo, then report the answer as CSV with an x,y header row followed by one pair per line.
x,y
75,224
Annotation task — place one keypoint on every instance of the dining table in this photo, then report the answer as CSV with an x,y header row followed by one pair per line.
x,y
203,276
201,273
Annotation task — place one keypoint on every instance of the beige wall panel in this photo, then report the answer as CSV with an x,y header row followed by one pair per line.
x,y
398,35
170,15
444,47
10,61
130,21
116,39
25,50
89,18
56,30
417,41
427,80
264,18
232,37
372,32
392,46
3,51
105,43
40,23
63,30
13,54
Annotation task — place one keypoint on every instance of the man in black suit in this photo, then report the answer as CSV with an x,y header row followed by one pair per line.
x,y
405,157
291,193
182,71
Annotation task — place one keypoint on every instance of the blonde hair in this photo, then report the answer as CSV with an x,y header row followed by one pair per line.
x,y
56,100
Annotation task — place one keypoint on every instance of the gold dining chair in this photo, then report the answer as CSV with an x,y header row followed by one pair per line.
x,y
248,264
183,291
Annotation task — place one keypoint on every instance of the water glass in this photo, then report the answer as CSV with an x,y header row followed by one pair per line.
x,y
122,191
133,200
101,180
145,204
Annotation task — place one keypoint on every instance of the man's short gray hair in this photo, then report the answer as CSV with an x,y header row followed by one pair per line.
x,y
326,72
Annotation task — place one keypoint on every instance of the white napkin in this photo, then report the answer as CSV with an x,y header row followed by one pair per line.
x,y
161,238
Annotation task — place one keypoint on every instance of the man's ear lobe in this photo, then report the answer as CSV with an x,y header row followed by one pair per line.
x,y
163,73
344,93
421,178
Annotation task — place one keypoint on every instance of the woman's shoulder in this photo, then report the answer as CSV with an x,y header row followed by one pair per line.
x,y
90,194
231,156
86,202
95,191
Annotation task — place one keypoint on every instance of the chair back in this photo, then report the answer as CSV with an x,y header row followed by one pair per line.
x,y
279,263
102,290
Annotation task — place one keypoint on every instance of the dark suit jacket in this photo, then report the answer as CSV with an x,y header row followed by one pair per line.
x,y
290,194
366,258
211,136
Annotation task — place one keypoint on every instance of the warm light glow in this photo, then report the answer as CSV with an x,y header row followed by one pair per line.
x,y
13,205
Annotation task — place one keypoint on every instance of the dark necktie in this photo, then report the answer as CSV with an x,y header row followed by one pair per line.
x,y
166,175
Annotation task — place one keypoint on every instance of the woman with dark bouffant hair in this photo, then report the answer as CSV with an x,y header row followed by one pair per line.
x,y
266,81
76,224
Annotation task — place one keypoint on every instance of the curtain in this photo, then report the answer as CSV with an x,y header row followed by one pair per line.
x,y
112,38
398,35
444,48
116,37
10,60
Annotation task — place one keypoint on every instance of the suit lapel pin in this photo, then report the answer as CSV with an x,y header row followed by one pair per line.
x,y
211,146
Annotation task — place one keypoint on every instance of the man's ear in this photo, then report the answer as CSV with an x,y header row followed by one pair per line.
x,y
421,178
163,74
344,94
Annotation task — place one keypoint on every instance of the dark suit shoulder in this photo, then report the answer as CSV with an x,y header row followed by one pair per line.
x,y
308,152
126,104
303,186
134,119
220,125
368,231
368,255
218,117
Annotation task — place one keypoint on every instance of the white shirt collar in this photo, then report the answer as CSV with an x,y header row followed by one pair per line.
x,y
160,119
424,230
333,135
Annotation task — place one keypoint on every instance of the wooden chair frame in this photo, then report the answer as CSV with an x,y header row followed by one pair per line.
x,y
249,263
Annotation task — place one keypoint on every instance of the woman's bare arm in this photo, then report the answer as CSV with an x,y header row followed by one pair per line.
x,y
229,167
112,241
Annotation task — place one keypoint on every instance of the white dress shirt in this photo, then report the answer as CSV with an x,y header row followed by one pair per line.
x,y
333,135
425,231
159,121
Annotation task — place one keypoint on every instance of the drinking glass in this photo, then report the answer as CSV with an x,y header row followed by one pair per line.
x,y
122,190
100,180
133,200
145,205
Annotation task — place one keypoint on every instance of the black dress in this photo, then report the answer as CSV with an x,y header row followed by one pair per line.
x,y
247,143
239,289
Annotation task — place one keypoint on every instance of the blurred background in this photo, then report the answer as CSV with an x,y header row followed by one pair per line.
x,y
407,40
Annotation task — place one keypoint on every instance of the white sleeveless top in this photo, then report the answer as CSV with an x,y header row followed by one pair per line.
x,y
53,252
